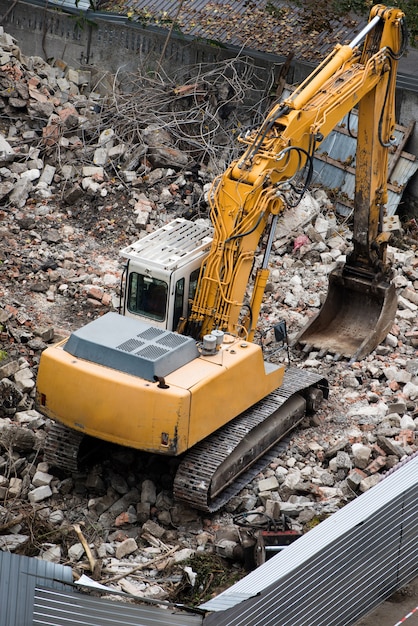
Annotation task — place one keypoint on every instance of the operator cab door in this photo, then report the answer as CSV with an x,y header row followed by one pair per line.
x,y
146,297
184,293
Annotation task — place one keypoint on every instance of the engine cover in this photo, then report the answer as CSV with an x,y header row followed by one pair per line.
x,y
131,346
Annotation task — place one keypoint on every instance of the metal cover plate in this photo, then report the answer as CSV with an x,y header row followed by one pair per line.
x,y
131,346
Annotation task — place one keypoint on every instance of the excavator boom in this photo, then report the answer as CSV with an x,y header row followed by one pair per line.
x,y
263,183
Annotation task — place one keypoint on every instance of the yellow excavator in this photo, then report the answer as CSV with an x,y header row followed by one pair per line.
x,y
178,372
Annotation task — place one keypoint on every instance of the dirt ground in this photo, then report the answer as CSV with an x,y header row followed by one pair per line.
x,y
395,610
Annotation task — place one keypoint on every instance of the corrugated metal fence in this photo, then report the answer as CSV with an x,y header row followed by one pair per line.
x,y
337,572
19,576
59,608
333,575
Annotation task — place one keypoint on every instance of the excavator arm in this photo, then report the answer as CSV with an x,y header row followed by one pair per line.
x,y
276,167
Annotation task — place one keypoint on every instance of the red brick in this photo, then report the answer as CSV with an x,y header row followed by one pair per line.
x,y
378,449
95,292
375,466
107,299
406,437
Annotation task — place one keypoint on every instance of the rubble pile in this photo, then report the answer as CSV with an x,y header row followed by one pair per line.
x,y
67,206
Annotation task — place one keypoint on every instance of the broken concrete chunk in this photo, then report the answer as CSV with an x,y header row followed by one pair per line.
x,y
7,154
39,494
41,479
153,529
268,484
126,547
75,552
20,192
12,542
369,482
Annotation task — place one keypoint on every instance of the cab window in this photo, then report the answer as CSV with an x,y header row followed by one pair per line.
x,y
178,302
194,277
147,296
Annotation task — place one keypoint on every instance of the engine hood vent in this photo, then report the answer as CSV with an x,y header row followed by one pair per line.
x,y
131,346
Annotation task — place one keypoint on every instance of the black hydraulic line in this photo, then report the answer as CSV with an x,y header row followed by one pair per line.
x,y
266,127
232,237
122,294
392,140
309,160
348,125
392,56
404,42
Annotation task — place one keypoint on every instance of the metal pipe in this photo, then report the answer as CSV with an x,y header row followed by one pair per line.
x,y
365,31
269,244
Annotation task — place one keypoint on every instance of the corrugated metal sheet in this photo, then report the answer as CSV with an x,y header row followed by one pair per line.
x,y
339,570
332,575
59,608
39,593
335,162
19,575
244,25
79,5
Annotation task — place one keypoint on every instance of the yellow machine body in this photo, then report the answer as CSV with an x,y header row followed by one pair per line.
x,y
165,418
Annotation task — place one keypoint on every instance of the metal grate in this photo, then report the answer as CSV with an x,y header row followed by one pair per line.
x,y
152,352
151,333
172,340
178,242
130,345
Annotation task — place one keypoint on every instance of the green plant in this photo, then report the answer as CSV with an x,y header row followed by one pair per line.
x,y
212,575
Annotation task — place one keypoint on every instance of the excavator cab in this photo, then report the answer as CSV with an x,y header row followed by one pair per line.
x,y
162,272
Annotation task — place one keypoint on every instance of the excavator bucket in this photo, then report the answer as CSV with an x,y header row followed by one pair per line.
x,y
356,316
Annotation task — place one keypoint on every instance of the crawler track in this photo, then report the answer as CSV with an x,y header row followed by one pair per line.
x,y
218,459
62,447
